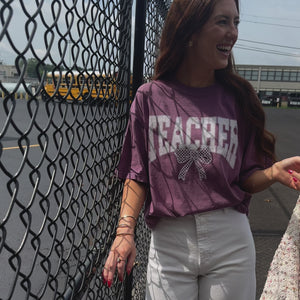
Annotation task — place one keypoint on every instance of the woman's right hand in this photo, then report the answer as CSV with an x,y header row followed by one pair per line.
x,y
123,250
121,256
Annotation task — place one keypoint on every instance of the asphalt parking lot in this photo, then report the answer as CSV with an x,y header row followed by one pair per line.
x,y
271,209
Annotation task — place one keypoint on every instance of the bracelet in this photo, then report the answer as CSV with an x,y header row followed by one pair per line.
x,y
132,217
123,225
124,234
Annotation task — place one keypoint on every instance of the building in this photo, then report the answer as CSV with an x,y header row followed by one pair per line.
x,y
274,84
8,72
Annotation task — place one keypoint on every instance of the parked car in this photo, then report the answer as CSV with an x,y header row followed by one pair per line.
x,y
268,101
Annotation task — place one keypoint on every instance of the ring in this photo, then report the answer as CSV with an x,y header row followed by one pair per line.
x,y
119,260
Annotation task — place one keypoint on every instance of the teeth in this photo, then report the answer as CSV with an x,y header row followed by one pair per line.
x,y
223,48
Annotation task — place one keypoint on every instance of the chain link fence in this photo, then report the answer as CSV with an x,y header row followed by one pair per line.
x,y
66,84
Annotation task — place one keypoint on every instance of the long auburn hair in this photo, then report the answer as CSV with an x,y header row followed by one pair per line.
x,y
186,17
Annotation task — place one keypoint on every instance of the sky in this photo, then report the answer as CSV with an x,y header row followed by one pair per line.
x,y
268,24
268,32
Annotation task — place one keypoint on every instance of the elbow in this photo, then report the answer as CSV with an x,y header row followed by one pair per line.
x,y
248,187
258,181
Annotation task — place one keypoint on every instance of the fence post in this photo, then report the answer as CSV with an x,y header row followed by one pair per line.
x,y
139,44
137,80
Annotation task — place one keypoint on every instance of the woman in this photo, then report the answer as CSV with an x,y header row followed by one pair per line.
x,y
194,152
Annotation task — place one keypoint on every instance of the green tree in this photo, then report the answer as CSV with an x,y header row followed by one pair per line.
x,y
35,68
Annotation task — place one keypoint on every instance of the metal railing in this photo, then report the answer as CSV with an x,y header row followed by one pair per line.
x,y
60,145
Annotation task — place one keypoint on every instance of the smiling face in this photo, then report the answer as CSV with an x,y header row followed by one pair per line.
x,y
211,46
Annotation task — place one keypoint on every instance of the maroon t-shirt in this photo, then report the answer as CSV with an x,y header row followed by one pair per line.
x,y
191,147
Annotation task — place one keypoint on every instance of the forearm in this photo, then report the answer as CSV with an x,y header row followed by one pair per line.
x,y
259,181
123,250
286,172
134,195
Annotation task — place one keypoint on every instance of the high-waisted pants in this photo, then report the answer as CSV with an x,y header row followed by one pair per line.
x,y
208,256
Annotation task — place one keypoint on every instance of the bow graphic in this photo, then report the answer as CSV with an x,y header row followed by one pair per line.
x,y
191,154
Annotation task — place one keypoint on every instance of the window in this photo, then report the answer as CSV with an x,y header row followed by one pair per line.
x,y
293,76
264,75
254,75
278,75
68,80
248,74
286,76
81,80
241,73
271,75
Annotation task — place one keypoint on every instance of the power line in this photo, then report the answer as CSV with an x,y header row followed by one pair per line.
x,y
271,24
273,18
266,50
262,51
243,47
269,44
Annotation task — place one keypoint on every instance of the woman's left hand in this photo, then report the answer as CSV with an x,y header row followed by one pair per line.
x,y
287,172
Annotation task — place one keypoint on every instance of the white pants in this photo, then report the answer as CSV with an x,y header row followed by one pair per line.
x,y
208,256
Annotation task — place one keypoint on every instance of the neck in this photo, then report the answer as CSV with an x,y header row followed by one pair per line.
x,y
195,77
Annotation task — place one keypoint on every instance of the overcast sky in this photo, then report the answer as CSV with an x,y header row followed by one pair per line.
x,y
267,27
275,22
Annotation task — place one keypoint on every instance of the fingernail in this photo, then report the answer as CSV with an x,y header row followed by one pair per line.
x,y
295,179
128,272
290,171
109,283
103,279
120,279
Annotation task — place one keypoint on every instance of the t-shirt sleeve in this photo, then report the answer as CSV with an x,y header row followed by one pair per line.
x,y
134,156
251,160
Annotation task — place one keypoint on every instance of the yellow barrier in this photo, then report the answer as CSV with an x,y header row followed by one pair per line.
x,y
20,96
19,93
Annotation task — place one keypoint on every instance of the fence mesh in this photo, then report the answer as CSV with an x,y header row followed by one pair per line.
x,y
64,101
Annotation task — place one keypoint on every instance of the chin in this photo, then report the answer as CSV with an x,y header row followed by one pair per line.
x,y
222,66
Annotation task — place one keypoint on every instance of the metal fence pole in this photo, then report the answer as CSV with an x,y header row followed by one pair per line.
x,y
137,80
139,44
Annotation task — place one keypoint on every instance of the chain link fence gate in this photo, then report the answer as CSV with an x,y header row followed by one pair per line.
x,y
65,90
